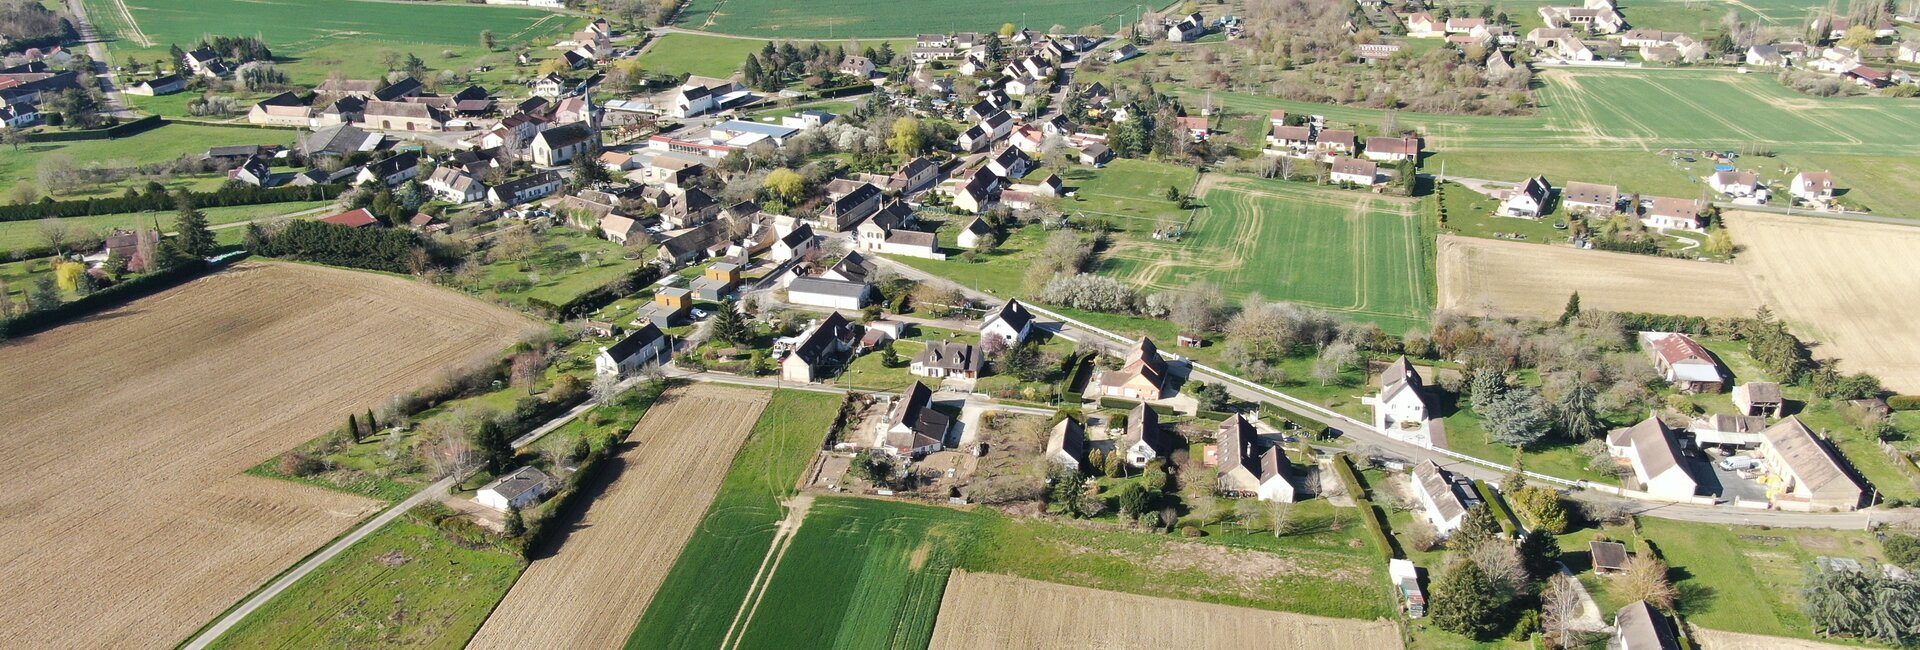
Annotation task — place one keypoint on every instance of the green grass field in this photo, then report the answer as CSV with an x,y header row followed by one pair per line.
x,y
1132,193
1345,251
405,586
1747,579
15,235
158,145
719,56
879,18
708,582
311,37
569,262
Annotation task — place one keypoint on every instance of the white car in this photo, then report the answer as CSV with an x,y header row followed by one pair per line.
x,y
699,314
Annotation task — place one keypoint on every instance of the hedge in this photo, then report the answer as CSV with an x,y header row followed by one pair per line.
x,y
1904,402
842,91
1343,465
1499,507
1371,515
1311,425
1128,405
126,129
224,197
113,296
1217,416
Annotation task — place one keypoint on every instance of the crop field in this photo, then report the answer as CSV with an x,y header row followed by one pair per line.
x,y
16,235
1345,251
297,29
1487,276
158,145
595,585
721,56
139,489
406,586
877,18
983,610
1839,283
702,596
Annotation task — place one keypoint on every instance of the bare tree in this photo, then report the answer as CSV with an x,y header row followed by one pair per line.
x,y
605,388
1280,515
1645,578
1501,563
1561,609
55,233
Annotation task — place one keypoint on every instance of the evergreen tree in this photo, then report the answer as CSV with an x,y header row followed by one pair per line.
x,y
516,525
372,425
1572,311
256,240
353,427
1478,527
729,326
1466,602
1540,553
494,445
195,237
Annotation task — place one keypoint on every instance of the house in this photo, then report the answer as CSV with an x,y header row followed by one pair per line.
x,y
359,218
1187,29
517,489
621,229
1145,440
1353,170
1529,200
1196,128
523,189
1592,198
1143,377
402,116
1334,141
974,195
1245,470
19,115
1683,214
1459,25
1734,183
917,174
1401,407
1766,55
1067,444
974,234
1290,137
888,231
1597,17
204,62
393,170
819,349
1375,52
284,109
1869,77
1010,163
1658,467
914,426
254,172
1424,25
166,84
1908,52
1439,497
944,359
1838,59
850,209
455,185
1683,362
1393,149
717,282
670,306
795,244
1123,52
694,243
690,208
828,292
558,145
1641,627
1010,321
1607,557
1812,187
1809,476
640,348
858,67
1758,398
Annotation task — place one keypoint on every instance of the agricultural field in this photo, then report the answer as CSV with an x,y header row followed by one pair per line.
x,y
701,598
157,145
1486,276
1344,251
983,611
721,56
16,235
592,588
1831,280
205,381
877,18
312,37
406,586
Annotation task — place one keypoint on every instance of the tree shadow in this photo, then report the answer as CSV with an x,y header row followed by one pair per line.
x,y
571,518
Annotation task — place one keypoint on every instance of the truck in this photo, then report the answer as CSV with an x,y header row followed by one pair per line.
x,y
1738,463
1406,581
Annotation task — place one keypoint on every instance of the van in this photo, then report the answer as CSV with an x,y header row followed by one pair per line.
x,y
1737,463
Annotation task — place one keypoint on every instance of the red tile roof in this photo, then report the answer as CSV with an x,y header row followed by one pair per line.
x,y
360,218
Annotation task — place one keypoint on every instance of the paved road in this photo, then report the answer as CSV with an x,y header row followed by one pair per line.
x,y
102,63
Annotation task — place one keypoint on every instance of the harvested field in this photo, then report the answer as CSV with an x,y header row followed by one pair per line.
x,y
127,513
1487,276
982,610
593,588
1719,640
1838,283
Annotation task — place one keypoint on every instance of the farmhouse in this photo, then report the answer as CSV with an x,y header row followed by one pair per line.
x,y
1010,321
1813,187
1334,141
518,489
1597,16
284,109
914,427
1353,170
1809,477
1143,377
820,348
1591,198
1393,149
166,84
1529,200
1439,497
1245,470
402,116
943,359
1424,25
1683,362
1290,137
523,189
1144,439
640,348
1758,398
206,63
1186,29
690,208
691,244
1658,468
1067,445
1641,627
1681,214
1401,409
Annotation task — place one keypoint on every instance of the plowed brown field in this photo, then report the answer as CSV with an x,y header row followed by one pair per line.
x,y
594,588
986,611
1487,276
126,517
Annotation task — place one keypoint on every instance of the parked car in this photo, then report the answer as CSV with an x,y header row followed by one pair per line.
x,y
1737,463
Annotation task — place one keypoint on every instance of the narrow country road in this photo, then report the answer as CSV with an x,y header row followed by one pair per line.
x,y
102,63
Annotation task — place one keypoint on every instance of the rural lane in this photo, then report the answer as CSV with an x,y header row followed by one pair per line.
x,y
103,64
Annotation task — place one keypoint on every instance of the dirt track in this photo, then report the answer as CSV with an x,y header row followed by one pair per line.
x,y
127,519
1718,640
1488,276
987,611
592,591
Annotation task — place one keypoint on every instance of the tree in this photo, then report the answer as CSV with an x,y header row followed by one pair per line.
x,y
1541,506
71,276
786,184
1561,609
1280,516
1540,554
729,326
516,525
907,140
888,356
1645,578
1211,396
1575,408
587,170
56,233
45,295
1477,527
486,39
1720,242
353,427
1133,499
373,426
1572,311
494,444
1517,418
524,369
1008,29
14,138
1868,605
194,237
1466,602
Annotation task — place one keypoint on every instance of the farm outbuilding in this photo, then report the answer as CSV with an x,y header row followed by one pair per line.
x,y
518,489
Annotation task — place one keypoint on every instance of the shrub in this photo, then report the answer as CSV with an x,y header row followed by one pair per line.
x,y
300,462
1904,402
1190,531
1903,550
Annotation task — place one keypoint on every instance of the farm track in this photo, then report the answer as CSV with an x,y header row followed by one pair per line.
x,y
142,491
593,588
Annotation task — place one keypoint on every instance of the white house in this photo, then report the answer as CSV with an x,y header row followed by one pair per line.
x,y
1144,439
975,232
1401,409
1664,213
1439,499
796,243
518,489
943,359
1813,186
914,427
1649,447
455,185
641,347
1734,183
818,349
1247,471
1011,322
1529,200
1353,170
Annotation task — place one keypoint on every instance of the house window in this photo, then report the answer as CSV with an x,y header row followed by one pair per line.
x,y
385,124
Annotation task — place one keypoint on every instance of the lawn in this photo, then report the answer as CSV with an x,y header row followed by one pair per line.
x,y
1132,193
883,18
567,263
15,235
312,37
407,585
700,597
1747,579
999,273
1350,252
1471,214
1645,172
719,56
157,145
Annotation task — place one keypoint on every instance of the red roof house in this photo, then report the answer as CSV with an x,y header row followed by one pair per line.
x,y
360,218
